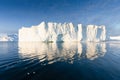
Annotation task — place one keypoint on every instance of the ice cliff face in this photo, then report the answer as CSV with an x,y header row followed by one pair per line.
x,y
66,32
93,34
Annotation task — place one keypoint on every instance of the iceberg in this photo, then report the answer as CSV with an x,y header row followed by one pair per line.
x,y
80,32
114,37
93,35
67,32
8,37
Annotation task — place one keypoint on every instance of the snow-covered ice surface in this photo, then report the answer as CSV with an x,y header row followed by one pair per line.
x,y
66,32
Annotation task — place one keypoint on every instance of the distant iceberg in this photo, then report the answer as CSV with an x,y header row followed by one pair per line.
x,y
66,32
114,37
8,37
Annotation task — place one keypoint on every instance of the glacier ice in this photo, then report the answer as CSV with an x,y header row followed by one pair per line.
x,y
79,32
67,32
92,32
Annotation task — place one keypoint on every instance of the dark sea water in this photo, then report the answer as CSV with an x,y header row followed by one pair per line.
x,y
59,61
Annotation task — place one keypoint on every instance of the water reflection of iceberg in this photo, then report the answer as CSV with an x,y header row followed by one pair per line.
x,y
52,52
95,50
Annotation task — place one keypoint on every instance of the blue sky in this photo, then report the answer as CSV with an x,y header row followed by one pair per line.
x,y
17,13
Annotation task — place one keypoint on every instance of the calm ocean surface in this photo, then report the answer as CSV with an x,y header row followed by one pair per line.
x,y
59,61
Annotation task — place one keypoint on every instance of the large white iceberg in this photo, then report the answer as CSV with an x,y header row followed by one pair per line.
x,y
66,32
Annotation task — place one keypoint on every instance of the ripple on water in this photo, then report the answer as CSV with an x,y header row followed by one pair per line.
x,y
63,61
